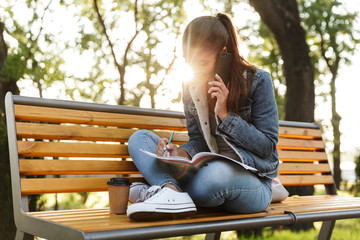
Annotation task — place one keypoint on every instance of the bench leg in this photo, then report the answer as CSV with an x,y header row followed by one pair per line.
x,y
23,236
326,230
213,236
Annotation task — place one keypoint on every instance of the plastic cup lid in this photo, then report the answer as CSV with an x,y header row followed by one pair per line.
x,y
119,182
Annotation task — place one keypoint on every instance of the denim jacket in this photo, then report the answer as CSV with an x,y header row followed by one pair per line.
x,y
252,133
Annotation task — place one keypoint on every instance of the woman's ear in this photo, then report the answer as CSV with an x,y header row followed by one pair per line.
x,y
224,49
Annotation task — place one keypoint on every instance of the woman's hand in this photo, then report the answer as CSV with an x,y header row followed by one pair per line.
x,y
219,90
173,150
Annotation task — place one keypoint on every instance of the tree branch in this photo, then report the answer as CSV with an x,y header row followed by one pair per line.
x,y
135,35
33,43
117,65
3,47
167,70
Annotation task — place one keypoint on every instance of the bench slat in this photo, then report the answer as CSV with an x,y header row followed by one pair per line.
x,y
66,185
303,180
75,132
74,167
83,133
58,149
103,221
300,144
303,133
61,149
62,185
305,168
302,156
57,115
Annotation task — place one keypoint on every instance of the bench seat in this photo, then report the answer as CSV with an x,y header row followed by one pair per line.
x,y
60,146
93,220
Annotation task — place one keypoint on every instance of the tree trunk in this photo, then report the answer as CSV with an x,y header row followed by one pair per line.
x,y
335,122
7,226
282,18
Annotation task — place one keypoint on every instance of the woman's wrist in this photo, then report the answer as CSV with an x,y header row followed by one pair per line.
x,y
223,116
183,153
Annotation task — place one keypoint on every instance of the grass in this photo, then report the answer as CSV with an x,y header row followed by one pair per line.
x,y
347,229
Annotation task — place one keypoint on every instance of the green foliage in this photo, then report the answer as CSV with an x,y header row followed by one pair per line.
x,y
355,188
160,20
26,58
330,30
267,55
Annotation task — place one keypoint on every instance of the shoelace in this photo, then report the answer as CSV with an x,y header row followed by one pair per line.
x,y
147,193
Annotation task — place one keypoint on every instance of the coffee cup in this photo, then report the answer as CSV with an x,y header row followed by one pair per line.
x,y
118,194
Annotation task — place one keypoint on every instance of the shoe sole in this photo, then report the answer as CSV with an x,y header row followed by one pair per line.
x,y
146,216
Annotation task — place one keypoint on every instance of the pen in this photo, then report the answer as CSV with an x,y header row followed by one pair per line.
x,y
171,136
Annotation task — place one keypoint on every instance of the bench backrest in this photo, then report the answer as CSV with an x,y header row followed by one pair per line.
x,y
79,146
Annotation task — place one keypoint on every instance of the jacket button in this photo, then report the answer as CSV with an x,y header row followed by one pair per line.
x,y
205,123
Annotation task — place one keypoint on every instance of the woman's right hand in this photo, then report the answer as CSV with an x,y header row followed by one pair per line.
x,y
173,149
163,145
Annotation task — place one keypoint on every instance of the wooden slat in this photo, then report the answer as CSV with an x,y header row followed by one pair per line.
x,y
90,220
306,204
303,180
60,149
73,167
75,132
57,115
84,133
302,156
303,168
66,185
303,133
300,144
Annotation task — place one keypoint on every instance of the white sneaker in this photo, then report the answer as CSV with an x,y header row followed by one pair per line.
x,y
162,203
138,192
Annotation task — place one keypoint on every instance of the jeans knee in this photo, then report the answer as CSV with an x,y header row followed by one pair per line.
x,y
134,138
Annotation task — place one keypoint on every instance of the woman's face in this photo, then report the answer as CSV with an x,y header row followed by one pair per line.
x,y
202,63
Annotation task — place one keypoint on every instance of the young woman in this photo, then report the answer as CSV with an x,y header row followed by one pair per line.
x,y
239,120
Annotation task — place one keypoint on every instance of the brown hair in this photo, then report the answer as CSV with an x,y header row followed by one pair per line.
x,y
215,33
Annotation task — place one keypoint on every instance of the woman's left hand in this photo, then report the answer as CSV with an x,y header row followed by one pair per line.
x,y
221,92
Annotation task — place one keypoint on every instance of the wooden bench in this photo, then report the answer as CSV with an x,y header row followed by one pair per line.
x,y
85,144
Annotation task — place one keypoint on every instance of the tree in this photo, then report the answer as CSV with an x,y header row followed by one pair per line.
x,y
120,67
330,29
7,226
152,53
151,19
282,18
268,55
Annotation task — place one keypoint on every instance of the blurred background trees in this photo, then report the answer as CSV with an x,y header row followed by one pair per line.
x,y
132,49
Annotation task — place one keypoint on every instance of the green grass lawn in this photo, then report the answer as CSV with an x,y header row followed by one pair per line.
x,y
347,229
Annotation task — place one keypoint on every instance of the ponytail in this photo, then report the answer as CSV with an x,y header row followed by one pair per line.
x,y
239,83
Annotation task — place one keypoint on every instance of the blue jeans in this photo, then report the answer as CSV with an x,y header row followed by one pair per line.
x,y
220,183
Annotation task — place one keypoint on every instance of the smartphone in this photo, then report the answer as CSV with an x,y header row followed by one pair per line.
x,y
223,66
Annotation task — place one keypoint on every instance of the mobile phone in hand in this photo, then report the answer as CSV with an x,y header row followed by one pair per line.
x,y
223,66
